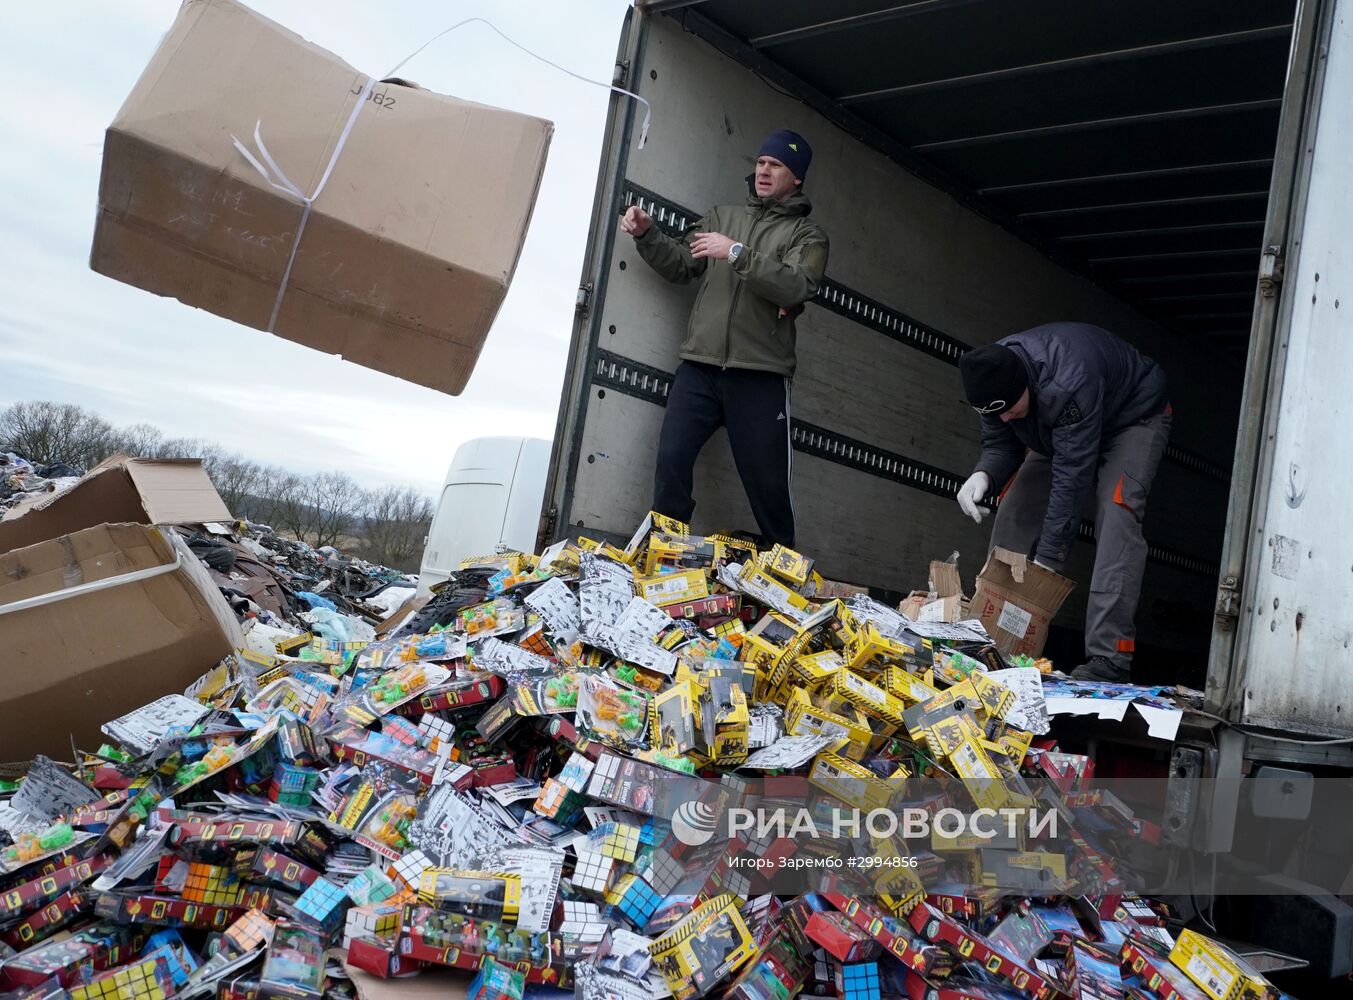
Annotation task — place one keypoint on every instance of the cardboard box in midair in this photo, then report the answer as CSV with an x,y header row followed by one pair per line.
x,y
118,490
95,624
1017,600
410,245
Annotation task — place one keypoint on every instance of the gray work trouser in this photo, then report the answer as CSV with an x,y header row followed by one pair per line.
x,y
1127,464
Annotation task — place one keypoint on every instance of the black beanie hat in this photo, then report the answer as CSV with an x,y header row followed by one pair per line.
x,y
993,378
789,148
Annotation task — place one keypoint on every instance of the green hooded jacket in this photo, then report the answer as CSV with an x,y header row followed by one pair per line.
x,y
744,313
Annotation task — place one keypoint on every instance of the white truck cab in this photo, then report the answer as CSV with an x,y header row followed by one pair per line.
x,y
491,500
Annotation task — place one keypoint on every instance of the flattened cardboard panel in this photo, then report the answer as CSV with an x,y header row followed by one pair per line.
x,y
121,490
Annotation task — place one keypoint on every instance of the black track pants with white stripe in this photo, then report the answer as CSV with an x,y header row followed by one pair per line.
x,y
754,406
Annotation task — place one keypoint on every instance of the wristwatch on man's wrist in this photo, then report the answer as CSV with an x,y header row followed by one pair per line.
x,y
733,252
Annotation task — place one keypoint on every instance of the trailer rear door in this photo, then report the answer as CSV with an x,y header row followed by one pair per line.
x,y
1281,651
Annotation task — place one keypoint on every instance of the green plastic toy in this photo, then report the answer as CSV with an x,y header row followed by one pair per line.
x,y
56,837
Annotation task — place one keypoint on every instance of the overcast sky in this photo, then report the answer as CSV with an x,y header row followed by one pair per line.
x,y
71,335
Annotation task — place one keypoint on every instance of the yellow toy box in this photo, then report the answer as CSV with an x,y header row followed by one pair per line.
x,y
803,718
1218,971
850,782
703,948
672,588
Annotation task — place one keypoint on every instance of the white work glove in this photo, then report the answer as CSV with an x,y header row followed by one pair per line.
x,y
972,493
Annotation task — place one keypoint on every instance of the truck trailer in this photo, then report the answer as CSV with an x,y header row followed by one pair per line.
x,y
1177,173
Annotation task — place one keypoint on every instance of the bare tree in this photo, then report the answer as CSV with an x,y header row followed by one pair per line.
x,y
180,448
396,521
46,432
139,440
239,481
318,509
286,503
335,502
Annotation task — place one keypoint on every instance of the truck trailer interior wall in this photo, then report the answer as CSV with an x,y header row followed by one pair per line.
x,y
1143,218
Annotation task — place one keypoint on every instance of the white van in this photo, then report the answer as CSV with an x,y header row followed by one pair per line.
x,y
491,500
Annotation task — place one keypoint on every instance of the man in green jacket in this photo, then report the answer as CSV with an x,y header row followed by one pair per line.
x,y
757,263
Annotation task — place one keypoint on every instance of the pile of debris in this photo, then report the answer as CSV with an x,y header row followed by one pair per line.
x,y
22,482
264,575
564,772
289,584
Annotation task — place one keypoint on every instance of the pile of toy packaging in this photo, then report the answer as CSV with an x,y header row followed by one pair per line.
x,y
478,788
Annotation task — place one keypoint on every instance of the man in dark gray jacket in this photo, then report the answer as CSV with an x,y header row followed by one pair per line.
x,y
1071,411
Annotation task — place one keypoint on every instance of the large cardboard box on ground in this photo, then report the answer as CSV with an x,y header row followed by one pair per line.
x,y
1017,600
97,623
411,244
120,489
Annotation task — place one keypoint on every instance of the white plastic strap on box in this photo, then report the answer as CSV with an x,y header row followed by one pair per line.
x,y
267,167
275,176
80,589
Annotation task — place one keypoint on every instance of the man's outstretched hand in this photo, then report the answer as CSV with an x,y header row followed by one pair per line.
x,y
712,245
635,221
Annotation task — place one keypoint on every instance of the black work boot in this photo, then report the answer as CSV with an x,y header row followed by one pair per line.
x,y
1101,668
